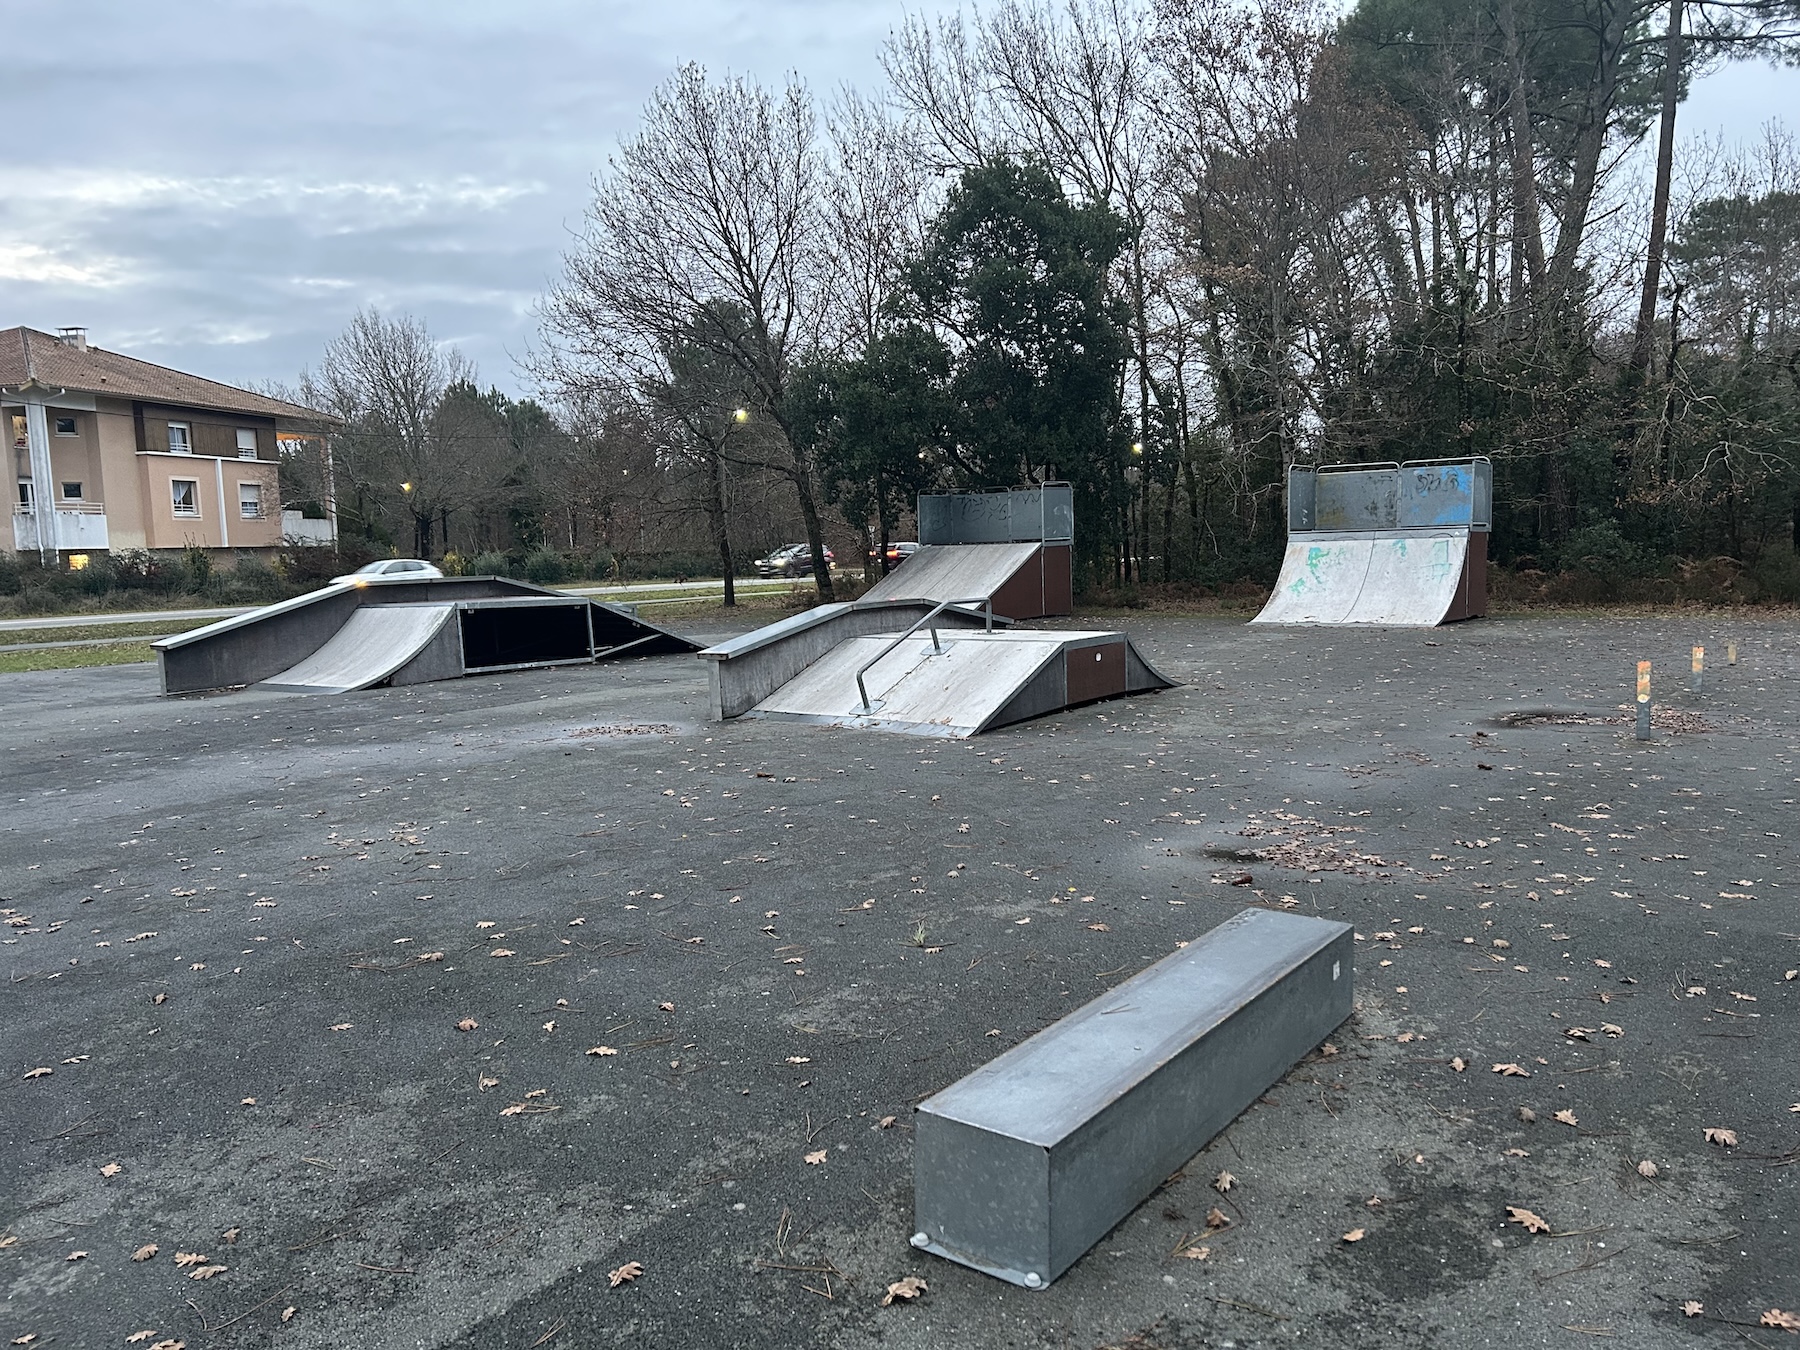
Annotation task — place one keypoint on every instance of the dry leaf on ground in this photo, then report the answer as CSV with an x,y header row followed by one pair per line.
x,y
1224,1182
205,1272
1530,1222
287,1313
145,1252
1196,1253
139,1336
467,1024
1566,1117
1217,1218
1512,1070
1356,1235
111,1170
41,1072
1459,1063
502,951
1785,1321
817,1156
190,1259
1723,1138
625,1274
603,1050
885,1123
76,1256
1692,1308
909,1288
1647,1169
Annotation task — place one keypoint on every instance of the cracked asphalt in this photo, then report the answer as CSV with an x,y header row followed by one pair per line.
x,y
320,983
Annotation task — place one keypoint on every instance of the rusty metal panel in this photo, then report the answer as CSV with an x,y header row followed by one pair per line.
x,y
1021,1166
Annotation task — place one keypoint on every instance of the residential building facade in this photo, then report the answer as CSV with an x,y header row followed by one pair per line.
x,y
111,453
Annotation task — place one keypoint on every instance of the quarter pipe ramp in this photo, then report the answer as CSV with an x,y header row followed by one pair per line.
x,y
1397,545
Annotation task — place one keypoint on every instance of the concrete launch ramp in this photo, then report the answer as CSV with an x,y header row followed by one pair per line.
x,y
350,636
964,683
1403,545
368,649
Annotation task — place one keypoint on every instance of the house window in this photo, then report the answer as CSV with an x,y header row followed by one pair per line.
x,y
65,426
250,501
25,494
179,444
71,492
184,495
246,442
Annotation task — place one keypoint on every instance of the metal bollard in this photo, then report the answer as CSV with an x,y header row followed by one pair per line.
x,y
1643,701
1699,668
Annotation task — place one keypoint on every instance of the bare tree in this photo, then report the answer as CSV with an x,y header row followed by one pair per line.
x,y
705,228
403,446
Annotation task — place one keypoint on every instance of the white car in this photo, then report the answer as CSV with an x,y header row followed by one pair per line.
x,y
390,569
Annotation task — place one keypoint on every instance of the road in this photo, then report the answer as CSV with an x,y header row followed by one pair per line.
x,y
747,585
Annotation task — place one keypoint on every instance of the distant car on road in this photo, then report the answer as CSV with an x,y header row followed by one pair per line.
x,y
391,569
900,551
792,560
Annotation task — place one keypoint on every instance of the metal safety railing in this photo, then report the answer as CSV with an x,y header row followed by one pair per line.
x,y
927,621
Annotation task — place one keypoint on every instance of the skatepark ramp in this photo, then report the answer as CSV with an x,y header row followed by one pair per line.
x,y
1011,548
353,635
931,670
1385,544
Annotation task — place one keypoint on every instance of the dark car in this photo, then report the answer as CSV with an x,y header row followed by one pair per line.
x,y
793,560
900,551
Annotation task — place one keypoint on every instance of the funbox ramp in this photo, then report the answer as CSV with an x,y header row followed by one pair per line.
x,y
965,683
352,636
1413,579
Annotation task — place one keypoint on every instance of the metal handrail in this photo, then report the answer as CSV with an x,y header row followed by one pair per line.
x,y
985,601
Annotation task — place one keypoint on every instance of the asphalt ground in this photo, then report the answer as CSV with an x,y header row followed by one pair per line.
x,y
244,931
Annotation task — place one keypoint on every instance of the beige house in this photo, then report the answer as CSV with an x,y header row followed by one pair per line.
x,y
111,453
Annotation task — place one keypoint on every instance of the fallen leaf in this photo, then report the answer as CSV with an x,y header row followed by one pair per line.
x,y
145,1252
1459,1063
248,1101
1217,1218
502,951
817,1156
1512,1071
885,1123
909,1288
1530,1222
625,1274
1723,1138
603,1050
483,1083
137,1336
205,1272
343,1026
1692,1308
1517,1153
287,1313
1604,965
1612,1029
550,1025
170,1344
1355,1235
1785,1321
1224,1182
231,1235
189,1259
44,1072
1197,1253
1099,928
26,1339
1567,1117
666,1007
159,998
111,1170
467,1024
1579,1033
1527,1115
1647,1169
799,1059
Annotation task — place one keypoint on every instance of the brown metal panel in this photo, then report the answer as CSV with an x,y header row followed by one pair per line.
x,y
1021,596
1475,575
1059,584
1096,672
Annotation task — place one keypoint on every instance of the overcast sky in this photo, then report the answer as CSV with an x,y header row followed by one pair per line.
x,y
217,185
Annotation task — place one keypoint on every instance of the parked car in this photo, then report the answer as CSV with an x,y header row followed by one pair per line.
x,y
898,552
792,560
391,569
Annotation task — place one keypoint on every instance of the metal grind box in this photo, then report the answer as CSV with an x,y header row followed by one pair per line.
x,y
1023,1165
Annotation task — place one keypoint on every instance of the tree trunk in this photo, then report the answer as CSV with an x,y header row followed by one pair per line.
x,y
715,510
1528,238
1645,338
815,536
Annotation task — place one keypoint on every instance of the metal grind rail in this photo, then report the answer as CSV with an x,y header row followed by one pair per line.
x,y
927,621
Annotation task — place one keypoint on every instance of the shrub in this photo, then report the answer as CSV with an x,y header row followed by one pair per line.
x,y
199,565
489,564
545,567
